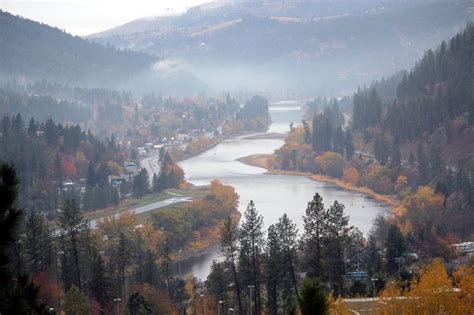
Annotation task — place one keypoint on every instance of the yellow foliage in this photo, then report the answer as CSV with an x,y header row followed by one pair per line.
x,y
425,198
115,168
338,307
296,136
331,163
351,175
434,293
401,184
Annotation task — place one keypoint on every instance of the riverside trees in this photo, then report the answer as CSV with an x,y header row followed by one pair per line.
x,y
275,262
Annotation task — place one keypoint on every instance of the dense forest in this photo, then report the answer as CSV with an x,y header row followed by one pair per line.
x,y
409,140
39,51
48,155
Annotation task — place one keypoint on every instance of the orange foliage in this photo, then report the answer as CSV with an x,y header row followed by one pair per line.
x,y
424,199
225,194
434,293
199,144
331,163
50,292
68,168
351,175
401,184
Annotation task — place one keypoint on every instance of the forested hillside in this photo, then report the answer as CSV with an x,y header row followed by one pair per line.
x,y
296,46
436,93
32,51
35,50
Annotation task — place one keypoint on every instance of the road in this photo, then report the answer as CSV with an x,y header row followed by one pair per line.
x,y
404,163
146,208
142,209
151,165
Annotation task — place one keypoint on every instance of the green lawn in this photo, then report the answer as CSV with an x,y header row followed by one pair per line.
x,y
130,203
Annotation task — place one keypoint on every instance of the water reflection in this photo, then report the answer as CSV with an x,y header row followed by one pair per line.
x,y
272,194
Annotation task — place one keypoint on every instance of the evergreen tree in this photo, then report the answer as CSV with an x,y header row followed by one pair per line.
x,y
339,141
75,302
380,149
287,235
423,164
307,132
217,280
314,228
395,158
349,145
72,224
137,305
229,250
273,266
313,299
436,162
337,234
251,235
395,248
20,296
100,285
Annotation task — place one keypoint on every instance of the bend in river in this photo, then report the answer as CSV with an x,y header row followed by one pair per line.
x,y
273,194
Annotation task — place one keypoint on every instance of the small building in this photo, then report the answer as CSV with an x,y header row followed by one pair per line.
x,y
465,248
131,167
116,181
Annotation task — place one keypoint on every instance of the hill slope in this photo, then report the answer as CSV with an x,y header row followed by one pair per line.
x,y
33,51
307,45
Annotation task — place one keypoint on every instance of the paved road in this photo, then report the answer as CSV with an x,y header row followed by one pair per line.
x,y
146,208
138,210
151,165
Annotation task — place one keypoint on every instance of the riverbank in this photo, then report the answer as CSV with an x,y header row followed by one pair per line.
x,y
266,161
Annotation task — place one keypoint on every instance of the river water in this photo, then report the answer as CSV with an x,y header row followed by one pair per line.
x,y
273,194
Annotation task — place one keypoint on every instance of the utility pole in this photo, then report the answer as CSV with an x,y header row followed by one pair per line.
x,y
250,299
219,306
117,301
399,261
179,262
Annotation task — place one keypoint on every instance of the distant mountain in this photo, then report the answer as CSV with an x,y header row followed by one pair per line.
x,y
295,46
32,51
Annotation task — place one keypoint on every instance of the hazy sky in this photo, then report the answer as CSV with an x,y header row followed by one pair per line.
x,y
84,17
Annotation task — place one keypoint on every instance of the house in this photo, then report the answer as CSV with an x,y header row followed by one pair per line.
x,y
465,248
131,167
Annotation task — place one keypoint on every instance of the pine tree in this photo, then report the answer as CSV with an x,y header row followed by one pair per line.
x,y
395,158
100,285
314,228
273,269
336,236
251,234
313,299
395,245
349,145
287,234
423,164
229,251
75,302
72,224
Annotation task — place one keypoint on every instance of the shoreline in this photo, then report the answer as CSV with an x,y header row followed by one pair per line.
x,y
261,160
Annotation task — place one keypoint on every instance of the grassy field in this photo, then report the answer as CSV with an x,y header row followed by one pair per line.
x,y
131,202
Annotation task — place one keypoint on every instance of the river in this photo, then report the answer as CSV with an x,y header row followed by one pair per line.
x,y
273,194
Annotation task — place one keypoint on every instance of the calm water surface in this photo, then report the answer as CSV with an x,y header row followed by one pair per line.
x,y
273,194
